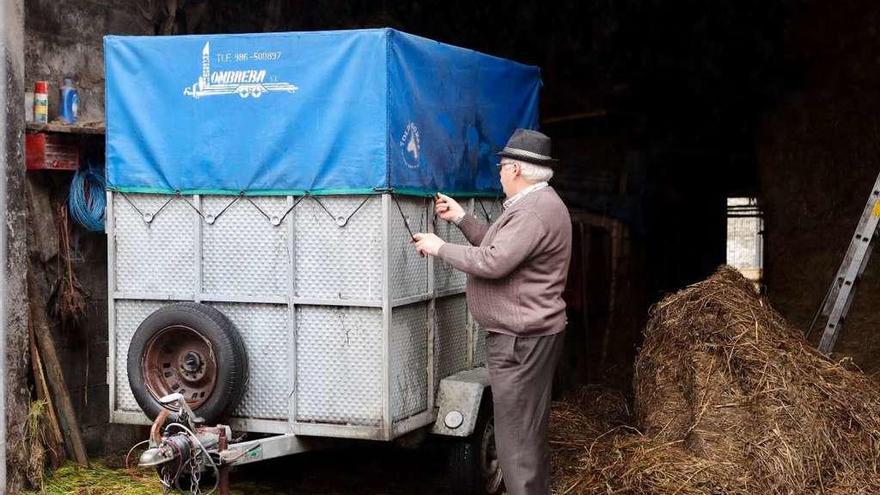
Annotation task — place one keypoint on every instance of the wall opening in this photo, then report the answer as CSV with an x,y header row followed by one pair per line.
x,y
745,237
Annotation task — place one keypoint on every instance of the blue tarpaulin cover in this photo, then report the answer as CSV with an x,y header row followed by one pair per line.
x,y
334,112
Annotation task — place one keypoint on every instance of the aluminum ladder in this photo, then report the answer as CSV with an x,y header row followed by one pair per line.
x,y
840,295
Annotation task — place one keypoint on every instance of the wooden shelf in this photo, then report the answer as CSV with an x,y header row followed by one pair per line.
x,y
96,128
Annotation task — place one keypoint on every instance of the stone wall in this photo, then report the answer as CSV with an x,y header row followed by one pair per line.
x,y
64,39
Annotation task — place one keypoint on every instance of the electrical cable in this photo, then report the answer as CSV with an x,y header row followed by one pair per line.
x,y
204,450
132,450
87,199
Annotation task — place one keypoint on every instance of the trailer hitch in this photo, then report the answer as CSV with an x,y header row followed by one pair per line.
x,y
181,450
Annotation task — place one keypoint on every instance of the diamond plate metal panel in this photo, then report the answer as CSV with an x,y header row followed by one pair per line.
x,y
445,277
488,209
265,330
155,257
409,271
339,262
129,315
479,345
243,252
339,365
409,360
450,337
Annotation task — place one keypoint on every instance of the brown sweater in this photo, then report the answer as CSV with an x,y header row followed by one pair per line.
x,y
517,266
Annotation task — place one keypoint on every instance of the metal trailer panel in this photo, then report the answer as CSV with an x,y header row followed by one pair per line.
x,y
265,331
129,315
409,361
237,424
446,278
487,210
110,231
336,309
409,271
338,248
339,365
243,252
385,431
479,346
150,229
451,339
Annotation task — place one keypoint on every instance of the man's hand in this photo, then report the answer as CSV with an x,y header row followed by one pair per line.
x,y
448,209
428,244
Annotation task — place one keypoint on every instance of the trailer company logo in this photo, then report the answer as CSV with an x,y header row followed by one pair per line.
x,y
244,83
411,145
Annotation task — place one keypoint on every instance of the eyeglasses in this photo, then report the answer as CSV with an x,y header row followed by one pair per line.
x,y
502,163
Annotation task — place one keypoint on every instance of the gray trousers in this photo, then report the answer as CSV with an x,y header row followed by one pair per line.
x,y
521,374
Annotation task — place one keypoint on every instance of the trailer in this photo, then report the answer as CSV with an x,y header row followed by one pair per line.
x,y
265,296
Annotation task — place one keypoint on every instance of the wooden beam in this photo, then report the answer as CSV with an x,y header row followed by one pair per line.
x,y
57,385
56,438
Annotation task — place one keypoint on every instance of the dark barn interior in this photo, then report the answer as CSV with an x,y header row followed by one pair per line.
x,y
658,111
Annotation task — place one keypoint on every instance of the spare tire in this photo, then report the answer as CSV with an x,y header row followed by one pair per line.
x,y
191,349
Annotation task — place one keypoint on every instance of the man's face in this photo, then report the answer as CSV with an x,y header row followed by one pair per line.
x,y
507,169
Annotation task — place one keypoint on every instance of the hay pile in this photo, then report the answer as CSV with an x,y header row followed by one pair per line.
x,y
729,399
596,452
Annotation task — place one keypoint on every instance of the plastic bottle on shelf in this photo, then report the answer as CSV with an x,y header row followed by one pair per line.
x,y
69,102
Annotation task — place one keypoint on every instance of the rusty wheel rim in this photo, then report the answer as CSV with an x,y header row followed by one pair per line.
x,y
180,360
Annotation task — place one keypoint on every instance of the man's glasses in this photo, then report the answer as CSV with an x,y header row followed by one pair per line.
x,y
502,163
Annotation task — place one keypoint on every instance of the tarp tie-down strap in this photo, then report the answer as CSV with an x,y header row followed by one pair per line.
x,y
434,214
340,220
213,218
483,207
276,220
148,217
209,218
405,220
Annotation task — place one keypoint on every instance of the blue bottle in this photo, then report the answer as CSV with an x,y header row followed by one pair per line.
x,y
69,102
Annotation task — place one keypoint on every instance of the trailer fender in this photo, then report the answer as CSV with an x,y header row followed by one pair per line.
x,y
458,402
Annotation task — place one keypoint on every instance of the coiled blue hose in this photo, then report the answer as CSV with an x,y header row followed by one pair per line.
x,y
87,200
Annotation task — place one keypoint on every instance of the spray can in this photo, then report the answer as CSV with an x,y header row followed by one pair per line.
x,y
41,102
69,102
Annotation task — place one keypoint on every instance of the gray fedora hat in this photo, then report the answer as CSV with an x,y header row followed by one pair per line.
x,y
529,146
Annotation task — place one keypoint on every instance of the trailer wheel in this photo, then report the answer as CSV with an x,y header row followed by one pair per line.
x,y
472,466
191,349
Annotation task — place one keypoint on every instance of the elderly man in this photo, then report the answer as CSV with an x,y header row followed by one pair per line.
x,y
517,269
